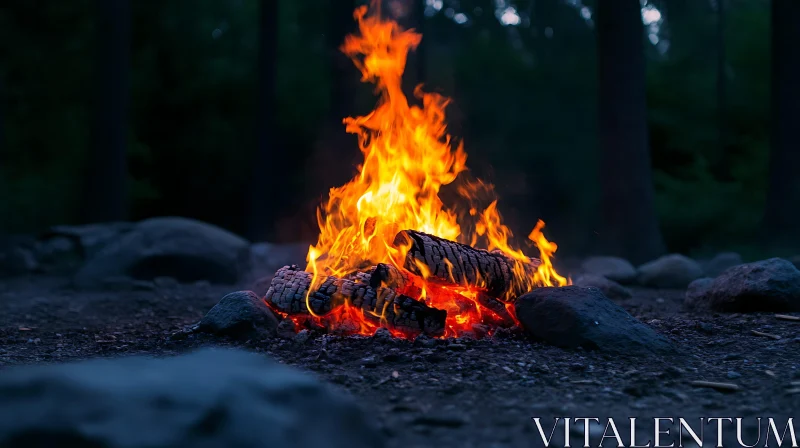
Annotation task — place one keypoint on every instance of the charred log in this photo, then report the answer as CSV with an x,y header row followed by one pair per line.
x,y
460,264
289,288
390,276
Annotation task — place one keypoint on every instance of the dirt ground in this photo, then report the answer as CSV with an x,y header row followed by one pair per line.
x,y
453,393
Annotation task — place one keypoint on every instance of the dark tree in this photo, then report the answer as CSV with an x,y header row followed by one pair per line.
x,y
2,122
783,198
721,75
270,166
106,195
629,222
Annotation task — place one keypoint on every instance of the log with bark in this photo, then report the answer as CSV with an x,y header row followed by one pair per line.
x,y
388,275
290,286
454,263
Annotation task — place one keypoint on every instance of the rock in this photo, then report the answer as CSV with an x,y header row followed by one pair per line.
x,y
240,314
721,262
672,271
382,334
15,261
166,282
88,240
369,362
612,268
211,398
302,336
610,288
184,249
697,289
767,285
480,330
575,316
123,283
424,341
59,254
286,329
266,258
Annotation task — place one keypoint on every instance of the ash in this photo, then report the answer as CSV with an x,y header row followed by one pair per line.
x,y
438,392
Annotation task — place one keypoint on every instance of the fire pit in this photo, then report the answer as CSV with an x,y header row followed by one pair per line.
x,y
390,253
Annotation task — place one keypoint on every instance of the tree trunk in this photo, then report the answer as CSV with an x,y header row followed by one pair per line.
x,y
270,166
106,195
629,222
721,87
783,200
2,126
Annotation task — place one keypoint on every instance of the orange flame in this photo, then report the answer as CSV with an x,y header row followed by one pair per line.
x,y
408,158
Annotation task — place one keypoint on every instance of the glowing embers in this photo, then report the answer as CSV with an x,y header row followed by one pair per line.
x,y
456,261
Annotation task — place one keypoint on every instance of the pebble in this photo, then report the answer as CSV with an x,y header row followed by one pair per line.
x,y
424,341
286,329
302,337
733,375
369,362
382,334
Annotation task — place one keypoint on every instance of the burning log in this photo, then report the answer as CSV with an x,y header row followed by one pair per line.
x,y
389,276
456,263
288,290
503,317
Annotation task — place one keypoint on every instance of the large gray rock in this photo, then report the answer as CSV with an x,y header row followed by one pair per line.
x,y
211,398
184,249
17,261
670,271
612,268
721,262
242,315
83,241
767,285
574,316
610,288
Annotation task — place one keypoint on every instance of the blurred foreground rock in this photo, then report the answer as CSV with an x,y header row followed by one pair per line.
x,y
574,316
612,268
211,398
242,315
184,249
672,271
767,285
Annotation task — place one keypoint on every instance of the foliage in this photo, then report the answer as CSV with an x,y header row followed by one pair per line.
x,y
710,197
524,102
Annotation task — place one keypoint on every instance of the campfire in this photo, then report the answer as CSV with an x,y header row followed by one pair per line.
x,y
390,253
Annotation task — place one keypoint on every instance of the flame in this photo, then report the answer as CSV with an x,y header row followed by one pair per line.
x,y
408,158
